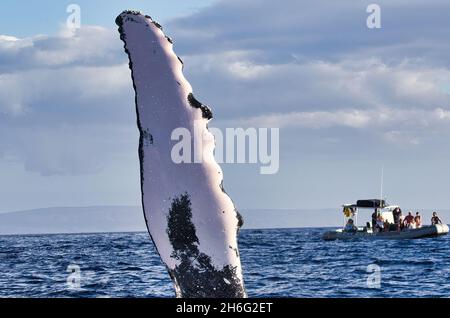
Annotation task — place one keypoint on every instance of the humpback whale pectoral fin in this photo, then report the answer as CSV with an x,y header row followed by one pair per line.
x,y
195,253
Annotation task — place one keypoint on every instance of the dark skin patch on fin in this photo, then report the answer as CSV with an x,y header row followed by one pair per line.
x,y
196,276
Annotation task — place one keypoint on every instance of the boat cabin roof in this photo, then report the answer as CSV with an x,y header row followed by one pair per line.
x,y
370,204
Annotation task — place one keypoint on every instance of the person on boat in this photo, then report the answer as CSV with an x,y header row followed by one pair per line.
x,y
408,222
350,226
418,220
380,223
387,225
397,215
435,220
401,220
374,219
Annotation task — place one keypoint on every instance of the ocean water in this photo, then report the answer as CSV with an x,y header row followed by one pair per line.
x,y
276,263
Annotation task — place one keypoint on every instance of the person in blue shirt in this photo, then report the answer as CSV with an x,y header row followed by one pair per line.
x,y
350,226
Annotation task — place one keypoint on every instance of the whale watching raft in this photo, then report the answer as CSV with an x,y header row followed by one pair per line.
x,y
387,223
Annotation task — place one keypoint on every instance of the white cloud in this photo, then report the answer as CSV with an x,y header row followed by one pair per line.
x,y
248,70
65,100
89,45
358,119
311,29
290,70
401,138
321,65
316,120
254,89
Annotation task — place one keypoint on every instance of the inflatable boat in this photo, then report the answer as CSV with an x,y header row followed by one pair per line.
x,y
385,212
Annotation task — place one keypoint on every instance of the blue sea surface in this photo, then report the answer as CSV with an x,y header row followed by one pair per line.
x,y
276,263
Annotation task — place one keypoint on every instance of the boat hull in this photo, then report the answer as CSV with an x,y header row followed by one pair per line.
x,y
423,232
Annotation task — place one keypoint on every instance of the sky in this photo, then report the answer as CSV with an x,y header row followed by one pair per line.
x,y
348,100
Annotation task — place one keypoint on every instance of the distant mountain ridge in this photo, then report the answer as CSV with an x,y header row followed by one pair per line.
x,y
73,220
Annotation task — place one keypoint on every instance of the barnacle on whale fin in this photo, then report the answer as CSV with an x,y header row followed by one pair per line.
x,y
206,111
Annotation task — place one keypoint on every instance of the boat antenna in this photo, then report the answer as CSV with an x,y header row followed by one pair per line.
x,y
381,187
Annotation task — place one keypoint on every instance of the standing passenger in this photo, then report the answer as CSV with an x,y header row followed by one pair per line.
x,y
435,220
374,219
409,221
397,213
418,220
380,223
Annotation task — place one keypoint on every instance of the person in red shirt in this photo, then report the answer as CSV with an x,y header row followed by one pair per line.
x,y
409,220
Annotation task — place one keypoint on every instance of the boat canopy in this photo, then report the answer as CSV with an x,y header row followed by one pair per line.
x,y
373,203
369,203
